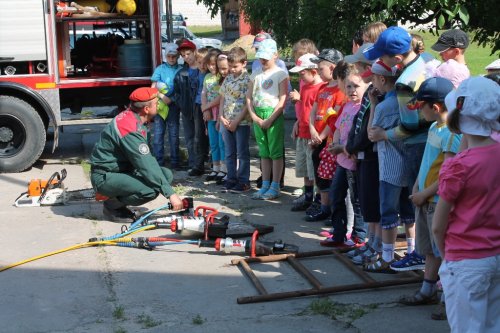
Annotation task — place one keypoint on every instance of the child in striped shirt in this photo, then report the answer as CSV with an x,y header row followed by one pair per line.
x,y
395,206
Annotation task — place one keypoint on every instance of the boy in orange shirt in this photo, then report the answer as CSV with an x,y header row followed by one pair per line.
x,y
329,102
304,167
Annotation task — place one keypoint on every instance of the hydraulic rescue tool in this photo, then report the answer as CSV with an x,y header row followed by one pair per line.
x,y
199,222
251,247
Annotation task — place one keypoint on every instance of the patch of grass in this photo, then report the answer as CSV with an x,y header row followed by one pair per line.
x,y
85,166
196,193
206,30
337,311
477,57
120,330
198,320
119,312
147,321
181,190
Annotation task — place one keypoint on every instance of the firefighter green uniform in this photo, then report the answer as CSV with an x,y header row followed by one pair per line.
x,y
122,166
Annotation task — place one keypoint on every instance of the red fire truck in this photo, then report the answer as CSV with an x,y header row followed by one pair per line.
x,y
53,60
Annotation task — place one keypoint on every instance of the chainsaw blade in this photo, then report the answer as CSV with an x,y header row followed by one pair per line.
x,y
86,194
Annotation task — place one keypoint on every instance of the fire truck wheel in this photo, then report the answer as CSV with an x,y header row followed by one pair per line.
x,y
22,134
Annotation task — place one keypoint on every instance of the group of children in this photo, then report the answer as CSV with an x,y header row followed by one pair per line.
x,y
219,101
392,151
388,135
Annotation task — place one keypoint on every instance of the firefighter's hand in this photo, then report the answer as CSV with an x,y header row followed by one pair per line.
x,y
176,202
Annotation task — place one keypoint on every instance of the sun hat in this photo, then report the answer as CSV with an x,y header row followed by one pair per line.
x,y
392,41
267,49
331,55
478,99
451,39
359,56
304,62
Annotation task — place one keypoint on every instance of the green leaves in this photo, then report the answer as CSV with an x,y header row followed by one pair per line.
x,y
441,21
333,23
463,13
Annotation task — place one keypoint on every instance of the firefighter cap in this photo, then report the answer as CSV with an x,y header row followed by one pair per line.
x,y
186,44
143,94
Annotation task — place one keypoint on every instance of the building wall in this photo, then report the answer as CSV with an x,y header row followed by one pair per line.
x,y
196,14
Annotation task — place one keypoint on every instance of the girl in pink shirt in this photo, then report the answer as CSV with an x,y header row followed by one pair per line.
x,y
466,222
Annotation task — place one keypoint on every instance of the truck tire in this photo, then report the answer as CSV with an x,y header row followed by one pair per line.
x,y
22,134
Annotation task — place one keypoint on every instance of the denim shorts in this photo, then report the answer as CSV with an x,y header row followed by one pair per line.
x,y
395,206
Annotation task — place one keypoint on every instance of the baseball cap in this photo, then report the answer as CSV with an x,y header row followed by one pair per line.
x,y
434,89
171,48
392,41
359,56
453,71
480,107
143,94
304,62
267,49
261,36
450,39
186,44
331,55
494,65
380,68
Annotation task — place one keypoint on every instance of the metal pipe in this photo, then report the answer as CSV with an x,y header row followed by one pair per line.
x,y
256,282
325,290
305,273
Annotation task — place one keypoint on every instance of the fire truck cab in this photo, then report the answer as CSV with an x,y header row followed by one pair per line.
x,y
54,59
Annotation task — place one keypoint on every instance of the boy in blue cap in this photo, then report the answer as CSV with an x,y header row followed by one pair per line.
x,y
169,116
441,144
393,47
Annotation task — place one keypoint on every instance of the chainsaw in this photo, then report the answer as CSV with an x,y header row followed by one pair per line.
x,y
52,192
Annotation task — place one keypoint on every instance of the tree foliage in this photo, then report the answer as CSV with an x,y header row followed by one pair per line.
x,y
333,23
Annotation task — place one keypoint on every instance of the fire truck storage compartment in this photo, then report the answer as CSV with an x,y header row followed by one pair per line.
x,y
110,45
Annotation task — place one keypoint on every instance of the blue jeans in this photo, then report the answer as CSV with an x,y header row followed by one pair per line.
x,y
188,126
413,158
359,227
216,142
237,154
159,128
394,206
344,180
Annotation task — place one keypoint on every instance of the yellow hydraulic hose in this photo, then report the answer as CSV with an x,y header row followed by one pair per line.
x,y
74,247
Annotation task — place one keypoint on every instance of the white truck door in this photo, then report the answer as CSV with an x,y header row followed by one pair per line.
x,y
22,30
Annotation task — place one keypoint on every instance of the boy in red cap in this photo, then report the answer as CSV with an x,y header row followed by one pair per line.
x,y
122,167
186,84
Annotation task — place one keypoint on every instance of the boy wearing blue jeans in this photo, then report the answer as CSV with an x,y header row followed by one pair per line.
x,y
185,90
441,144
393,47
234,122
169,116
395,206
266,98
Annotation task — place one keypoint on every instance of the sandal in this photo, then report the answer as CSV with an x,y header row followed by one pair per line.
x,y
439,312
271,194
379,266
419,299
259,195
